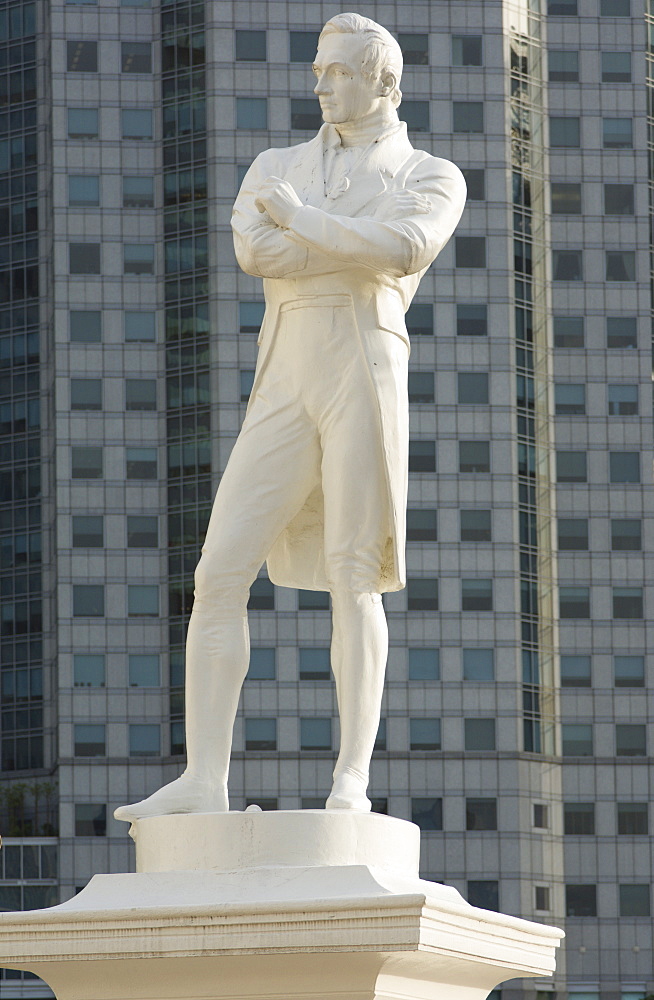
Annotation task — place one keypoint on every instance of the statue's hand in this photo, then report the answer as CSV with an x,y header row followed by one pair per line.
x,y
405,203
279,200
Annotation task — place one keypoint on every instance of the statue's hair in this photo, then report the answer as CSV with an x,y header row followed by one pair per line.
x,y
381,51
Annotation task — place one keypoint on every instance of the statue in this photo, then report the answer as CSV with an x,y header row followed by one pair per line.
x,y
341,229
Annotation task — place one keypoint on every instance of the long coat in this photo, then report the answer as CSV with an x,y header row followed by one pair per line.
x,y
366,245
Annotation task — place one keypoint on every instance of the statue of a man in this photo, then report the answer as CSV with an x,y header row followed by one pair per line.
x,y
341,229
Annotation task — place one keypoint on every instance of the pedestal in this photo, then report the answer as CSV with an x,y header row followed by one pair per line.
x,y
306,905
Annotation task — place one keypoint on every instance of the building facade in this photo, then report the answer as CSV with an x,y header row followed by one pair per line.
x,y
515,726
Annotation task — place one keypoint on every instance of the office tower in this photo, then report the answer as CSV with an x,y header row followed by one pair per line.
x,y
514,727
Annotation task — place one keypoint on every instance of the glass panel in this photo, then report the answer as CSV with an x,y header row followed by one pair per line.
x,y
415,49
260,734
89,670
575,670
478,665
467,116
314,663
144,670
262,664
140,326
466,50
144,740
423,664
303,46
85,326
251,45
142,600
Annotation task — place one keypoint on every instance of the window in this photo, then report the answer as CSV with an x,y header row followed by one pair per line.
x,y
472,387
304,45
541,897
140,394
564,132
89,740
573,533
422,594
251,112
474,456
575,670
569,399
262,664
481,814
251,316
626,534
415,114
140,327
632,818
629,671
634,901
484,893
138,258
261,734
422,456
579,818
427,814
424,664
425,734
315,734
305,113
471,320
315,663
566,198
88,531
421,387
415,49
476,595
567,265
627,602
619,199
88,600
466,50
86,394
86,463
142,600
617,133
563,65
136,123
84,258
142,531
620,265
571,467
577,739
574,602
83,123
568,331
580,900
136,57
83,191
621,332
421,525
630,740
478,665
566,8
266,805
250,46
90,820
82,57
476,526
616,67
476,183
541,818
88,670
420,319
85,326
479,734
144,740
467,117
135,3
262,595
313,600
615,8
141,463
624,466
144,670
138,192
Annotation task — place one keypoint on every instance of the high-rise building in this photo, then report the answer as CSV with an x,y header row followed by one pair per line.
x,y
514,729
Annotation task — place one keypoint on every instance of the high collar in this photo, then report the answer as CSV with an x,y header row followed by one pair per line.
x,y
364,131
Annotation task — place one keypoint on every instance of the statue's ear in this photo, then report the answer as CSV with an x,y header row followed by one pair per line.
x,y
387,82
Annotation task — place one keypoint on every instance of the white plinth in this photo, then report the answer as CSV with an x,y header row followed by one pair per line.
x,y
305,905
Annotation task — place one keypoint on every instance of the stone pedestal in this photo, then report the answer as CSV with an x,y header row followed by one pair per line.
x,y
305,905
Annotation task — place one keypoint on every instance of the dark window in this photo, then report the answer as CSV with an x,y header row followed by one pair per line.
x,y
88,531
379,806
616,67
416,115
83,190
479,734
563,65
615,8
421,387
305,113
471,320
421,524
573,533
472,387
422,594
476,595
476,526
140,394
478,665
422,456
262,595
138,192
481,814
577,739
86,394
315,663
541,818
630,740
629,671
141,463
312,600
415,49
262,663
82,57
136,123
617,133
635,900
251,316
315,734
579,818
304,45
427,814
580,900
84,258
619,199
424,664
566,198
251,112
89,740
627,602
571,467
261,734
633,819
83,123
144,740
90,820
575,670
574,602
250,46
474,456
624,466
140,326
567,265
380,739
144,670
467,117
466,50
142,531
420,319
138,258
136,57
566,8
476,183
620,265
425,734
266,805
142,600
568,331
86,462
541,897
246,381
569,399
88,670
484,893
564,132
626,534
85,326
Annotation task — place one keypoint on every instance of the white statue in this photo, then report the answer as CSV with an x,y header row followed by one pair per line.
x,y
341,229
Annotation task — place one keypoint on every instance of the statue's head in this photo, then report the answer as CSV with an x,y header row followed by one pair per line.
x,y
358,66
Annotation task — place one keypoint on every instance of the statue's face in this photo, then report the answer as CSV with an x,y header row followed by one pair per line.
x,y
345,95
